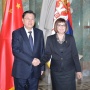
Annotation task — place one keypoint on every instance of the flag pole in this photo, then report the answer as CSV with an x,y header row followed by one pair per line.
x,y
3,6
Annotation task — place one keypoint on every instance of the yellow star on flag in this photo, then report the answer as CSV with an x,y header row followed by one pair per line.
x,y
18,5
10,11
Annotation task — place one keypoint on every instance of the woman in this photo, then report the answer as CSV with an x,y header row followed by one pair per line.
x,y
65,63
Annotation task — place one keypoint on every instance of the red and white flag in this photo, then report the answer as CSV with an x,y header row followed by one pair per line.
x,y
62,10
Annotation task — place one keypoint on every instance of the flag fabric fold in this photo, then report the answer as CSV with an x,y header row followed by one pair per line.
x,y
46,17
12,20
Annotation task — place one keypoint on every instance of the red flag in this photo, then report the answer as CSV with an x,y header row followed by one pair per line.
x,y
12,20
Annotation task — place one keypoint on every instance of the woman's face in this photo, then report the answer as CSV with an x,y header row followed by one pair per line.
x,y
61,27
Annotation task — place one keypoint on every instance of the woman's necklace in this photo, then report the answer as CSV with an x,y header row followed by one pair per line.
x,y
62,40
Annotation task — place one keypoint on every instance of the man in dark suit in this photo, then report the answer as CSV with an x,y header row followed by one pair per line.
x,y
27,45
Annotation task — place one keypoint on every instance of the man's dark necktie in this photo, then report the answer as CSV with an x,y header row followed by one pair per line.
x,y
31,40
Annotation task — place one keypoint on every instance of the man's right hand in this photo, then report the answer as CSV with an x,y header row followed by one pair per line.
x,y
35,62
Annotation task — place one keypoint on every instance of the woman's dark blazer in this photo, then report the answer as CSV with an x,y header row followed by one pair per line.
x,y
62,60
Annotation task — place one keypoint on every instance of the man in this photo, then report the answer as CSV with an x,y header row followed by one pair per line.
x,y
27,45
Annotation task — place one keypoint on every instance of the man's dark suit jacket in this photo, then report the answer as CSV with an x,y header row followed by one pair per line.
x,y
23,55
63,59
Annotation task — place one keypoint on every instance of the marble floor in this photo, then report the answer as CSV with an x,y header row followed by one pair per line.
x,y
83,84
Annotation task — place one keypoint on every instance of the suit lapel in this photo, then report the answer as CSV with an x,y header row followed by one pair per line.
x,y
55,42
24,35
66,43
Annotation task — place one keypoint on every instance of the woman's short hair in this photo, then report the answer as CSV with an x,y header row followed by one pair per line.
x,y
60,20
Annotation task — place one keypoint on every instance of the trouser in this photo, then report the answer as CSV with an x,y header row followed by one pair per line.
x,y
26,84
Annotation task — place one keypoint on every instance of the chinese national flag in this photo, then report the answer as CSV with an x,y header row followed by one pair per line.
x,y
12,20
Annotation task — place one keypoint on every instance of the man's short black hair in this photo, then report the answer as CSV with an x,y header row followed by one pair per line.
x,y
30,12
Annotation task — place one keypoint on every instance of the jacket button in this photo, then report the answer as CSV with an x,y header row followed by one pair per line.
x,y
61,58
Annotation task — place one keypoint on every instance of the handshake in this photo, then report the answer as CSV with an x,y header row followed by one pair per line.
x,y
36,62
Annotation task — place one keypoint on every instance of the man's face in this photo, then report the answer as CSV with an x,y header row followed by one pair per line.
x,y
29,21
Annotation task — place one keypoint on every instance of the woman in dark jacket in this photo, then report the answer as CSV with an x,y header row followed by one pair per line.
x,y
65,65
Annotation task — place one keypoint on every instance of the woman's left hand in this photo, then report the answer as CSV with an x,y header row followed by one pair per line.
x,y
79,75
